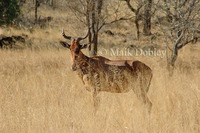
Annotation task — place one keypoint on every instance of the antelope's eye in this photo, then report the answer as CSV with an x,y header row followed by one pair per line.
x,y
75,57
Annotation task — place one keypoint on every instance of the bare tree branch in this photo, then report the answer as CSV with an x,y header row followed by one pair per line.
x,y
114,21
130,6
184,27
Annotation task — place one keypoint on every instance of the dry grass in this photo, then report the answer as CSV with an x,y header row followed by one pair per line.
x,y
39,93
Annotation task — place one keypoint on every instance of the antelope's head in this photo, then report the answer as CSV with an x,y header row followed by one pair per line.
x,y
75,48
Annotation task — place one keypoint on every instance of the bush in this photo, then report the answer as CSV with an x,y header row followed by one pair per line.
x,y
9,10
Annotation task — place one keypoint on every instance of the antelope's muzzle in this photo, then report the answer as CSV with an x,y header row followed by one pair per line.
x,y
74,68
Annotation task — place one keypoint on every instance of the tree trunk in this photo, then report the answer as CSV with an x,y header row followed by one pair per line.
x,y
51,3
36,6
94,8
89,23
147,18
90,40
137,25
174,56
137,28
94,44
172,60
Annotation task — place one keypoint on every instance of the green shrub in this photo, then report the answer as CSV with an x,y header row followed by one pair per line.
x,y
9,10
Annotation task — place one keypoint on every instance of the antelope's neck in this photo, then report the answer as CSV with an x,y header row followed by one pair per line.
x,y
82,58
82,63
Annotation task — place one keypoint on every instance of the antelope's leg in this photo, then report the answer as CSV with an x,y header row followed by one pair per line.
x,y
142,95
92,86
96,90
96,100
86,82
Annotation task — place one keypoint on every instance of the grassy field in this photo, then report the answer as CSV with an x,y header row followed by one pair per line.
x,y
39,93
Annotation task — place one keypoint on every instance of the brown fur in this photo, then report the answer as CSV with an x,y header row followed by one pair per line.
x,y
116,76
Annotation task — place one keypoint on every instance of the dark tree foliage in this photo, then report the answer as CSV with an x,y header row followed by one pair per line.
x,y
9,10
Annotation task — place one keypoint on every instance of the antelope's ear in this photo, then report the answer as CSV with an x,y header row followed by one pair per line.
x,y
65,44
84,46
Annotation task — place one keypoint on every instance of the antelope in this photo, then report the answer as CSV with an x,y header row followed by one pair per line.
x,y
100,74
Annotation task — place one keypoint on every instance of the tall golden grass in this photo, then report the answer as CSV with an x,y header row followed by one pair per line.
x,y
39,93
